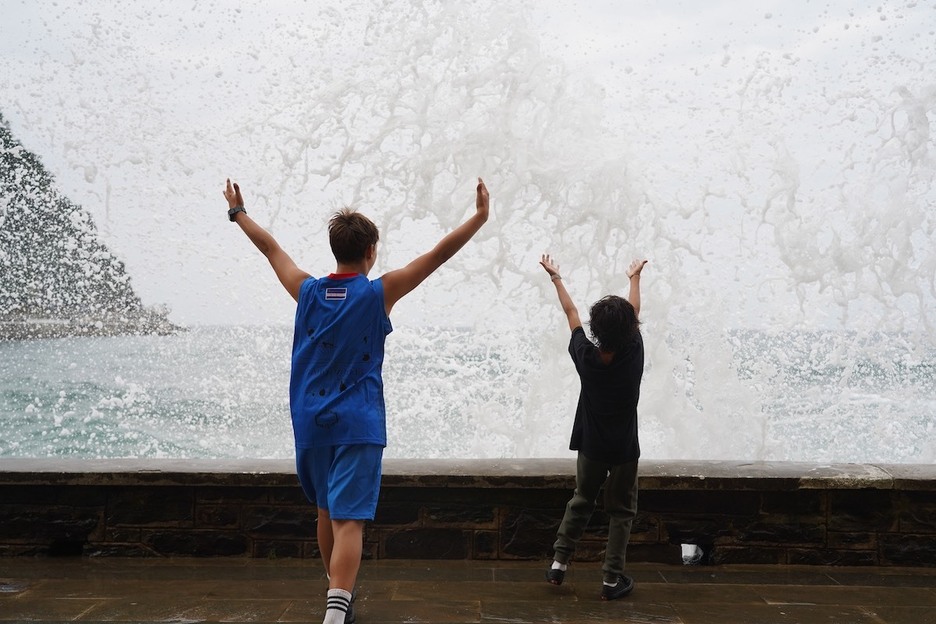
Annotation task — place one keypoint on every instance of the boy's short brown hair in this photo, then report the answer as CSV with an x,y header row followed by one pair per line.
x,y
350,234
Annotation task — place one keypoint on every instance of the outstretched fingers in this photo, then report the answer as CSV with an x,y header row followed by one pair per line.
x,y
482,203
636,267
232,194
547,263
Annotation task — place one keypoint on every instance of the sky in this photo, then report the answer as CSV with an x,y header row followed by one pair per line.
x,y
774,160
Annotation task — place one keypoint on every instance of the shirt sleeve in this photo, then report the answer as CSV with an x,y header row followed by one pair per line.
x,y
579,344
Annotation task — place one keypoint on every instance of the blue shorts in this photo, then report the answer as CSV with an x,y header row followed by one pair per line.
x,y
343,480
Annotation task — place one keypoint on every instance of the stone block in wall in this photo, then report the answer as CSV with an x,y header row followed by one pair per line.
x,y
484,545
917,512
311,550
54,495
217,516
862,510
852,541
118,549
646,528
908,549
123,535
783,533
227,495
23,550
725,554
696,502
425,543
195,543
277,549
831,556
154,506
692,529
417,496
465,515
528,533
39,524
795,503
400,513
289,495
281,522
654,553
491,497
549,500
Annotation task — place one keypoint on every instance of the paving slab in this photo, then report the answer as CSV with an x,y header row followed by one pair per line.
x,y
125,590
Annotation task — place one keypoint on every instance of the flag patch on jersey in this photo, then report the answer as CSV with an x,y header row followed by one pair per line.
x,y
336,294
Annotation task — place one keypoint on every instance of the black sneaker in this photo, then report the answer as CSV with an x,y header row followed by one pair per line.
x,y
555,576
624,586
349,614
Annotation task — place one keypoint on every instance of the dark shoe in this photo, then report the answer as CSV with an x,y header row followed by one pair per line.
x,y
624,586
349,614
555,576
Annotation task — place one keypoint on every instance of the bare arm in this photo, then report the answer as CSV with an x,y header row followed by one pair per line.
x,y
290,276
398,283
568,307
633,275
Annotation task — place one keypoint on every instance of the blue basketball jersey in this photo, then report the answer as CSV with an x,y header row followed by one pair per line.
x,y
336,387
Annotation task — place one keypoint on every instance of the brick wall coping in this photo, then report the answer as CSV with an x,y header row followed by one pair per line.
x,y
495,473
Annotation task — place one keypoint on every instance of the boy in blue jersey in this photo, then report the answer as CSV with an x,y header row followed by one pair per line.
x,y
605,428
336,389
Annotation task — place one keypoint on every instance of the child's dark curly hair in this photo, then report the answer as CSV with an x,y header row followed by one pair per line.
x,y
613,323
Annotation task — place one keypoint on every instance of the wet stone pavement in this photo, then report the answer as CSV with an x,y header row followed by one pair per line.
x,y
453,592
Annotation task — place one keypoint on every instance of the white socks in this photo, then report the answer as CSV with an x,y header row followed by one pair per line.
x,y
337,606
559,566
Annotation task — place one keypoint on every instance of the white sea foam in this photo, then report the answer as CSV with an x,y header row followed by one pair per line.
x,y
779,176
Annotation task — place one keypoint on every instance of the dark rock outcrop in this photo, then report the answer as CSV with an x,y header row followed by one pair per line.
x,y
56,277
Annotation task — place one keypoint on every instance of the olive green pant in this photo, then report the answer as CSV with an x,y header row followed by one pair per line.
x,y
620,503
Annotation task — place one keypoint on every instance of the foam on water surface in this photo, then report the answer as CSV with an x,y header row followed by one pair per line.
x,y
775,166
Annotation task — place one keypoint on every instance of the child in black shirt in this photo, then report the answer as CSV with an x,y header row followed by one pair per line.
x,y
605,429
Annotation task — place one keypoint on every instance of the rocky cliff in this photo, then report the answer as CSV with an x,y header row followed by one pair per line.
x,y
56,277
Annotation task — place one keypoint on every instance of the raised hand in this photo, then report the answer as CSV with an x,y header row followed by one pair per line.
x,y
547,263
635,268
233,195
483,200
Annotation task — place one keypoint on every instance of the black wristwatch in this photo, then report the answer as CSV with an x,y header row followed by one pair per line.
x,y
232,213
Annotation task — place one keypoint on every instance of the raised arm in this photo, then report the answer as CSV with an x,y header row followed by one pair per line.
x,y
290,276
568,307
398,283
633,275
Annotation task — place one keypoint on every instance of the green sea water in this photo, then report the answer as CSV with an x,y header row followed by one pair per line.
x,y
221,392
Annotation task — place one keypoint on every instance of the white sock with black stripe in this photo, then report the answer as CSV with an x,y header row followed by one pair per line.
x,y
337,606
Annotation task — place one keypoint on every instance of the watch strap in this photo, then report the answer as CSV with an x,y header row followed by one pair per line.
x,y
232,213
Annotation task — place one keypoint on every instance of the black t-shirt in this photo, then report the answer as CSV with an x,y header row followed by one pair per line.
x,y
605,427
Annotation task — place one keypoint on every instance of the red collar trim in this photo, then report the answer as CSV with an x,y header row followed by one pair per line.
x,y
342,275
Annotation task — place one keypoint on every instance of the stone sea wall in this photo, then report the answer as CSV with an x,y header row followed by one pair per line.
x,y
769,513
